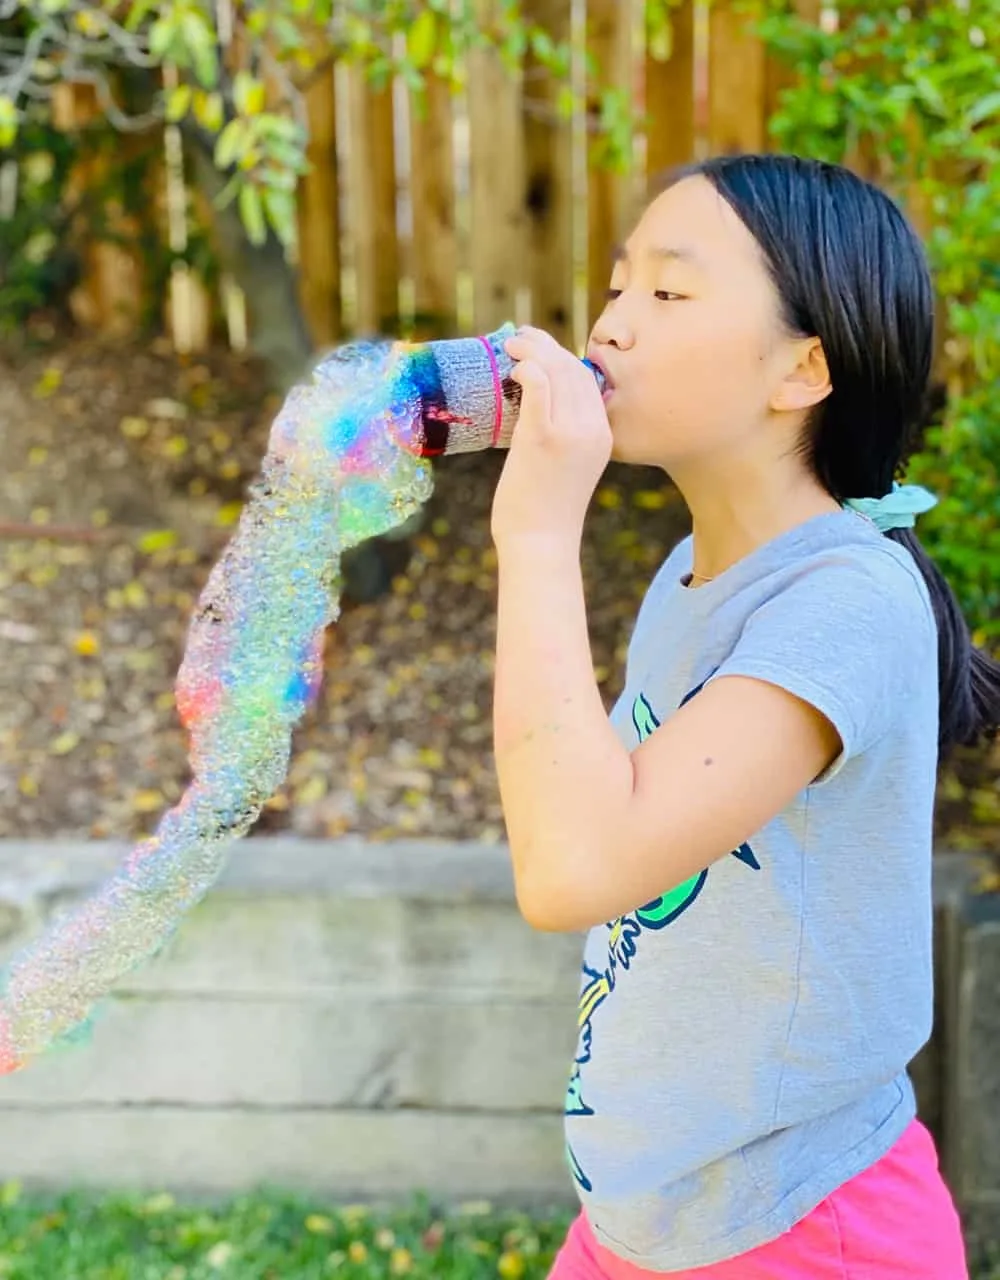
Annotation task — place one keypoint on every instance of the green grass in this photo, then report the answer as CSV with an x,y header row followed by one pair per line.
x,y
268,1236
271,1236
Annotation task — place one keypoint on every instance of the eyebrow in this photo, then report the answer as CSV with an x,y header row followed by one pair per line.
x,y
663,253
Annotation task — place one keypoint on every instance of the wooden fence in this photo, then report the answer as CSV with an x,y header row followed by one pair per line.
x,y
487,205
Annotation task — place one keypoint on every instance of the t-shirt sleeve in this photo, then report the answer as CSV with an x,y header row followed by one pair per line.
x,y
851,638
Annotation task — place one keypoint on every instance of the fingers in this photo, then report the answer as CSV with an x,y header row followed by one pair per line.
x,y
530,375
529,342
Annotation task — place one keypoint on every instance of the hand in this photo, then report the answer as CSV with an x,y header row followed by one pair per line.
x,y
561,443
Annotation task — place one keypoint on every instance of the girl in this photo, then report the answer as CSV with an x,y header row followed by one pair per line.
x,y
755,821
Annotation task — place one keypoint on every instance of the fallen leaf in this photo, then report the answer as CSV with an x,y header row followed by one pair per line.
x,y
43,575
174,447
164,407
148,801
157,540
313,789
48,384
135,595
228,514
64,744
140,660
134,428
87,644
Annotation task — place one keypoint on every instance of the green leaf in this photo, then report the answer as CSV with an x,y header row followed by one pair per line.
x,y
281,208
137,15
161,38
209,110
232,141
252,213
421,39
542,45
249,94
178,102
983,109
565,102
200,41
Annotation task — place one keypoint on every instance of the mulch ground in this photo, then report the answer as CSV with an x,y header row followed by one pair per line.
x,y
123,471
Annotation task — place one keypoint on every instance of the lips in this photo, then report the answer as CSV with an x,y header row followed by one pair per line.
x,y
609,382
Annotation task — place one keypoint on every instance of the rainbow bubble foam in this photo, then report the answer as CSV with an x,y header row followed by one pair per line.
x,y
347,459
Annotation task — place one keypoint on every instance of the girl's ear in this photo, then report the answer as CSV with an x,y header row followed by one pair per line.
x,y
807,380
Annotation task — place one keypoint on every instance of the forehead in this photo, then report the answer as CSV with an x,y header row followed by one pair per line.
x,y
692,223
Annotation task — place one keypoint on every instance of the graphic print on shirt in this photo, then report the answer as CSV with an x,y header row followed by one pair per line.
x,y
623,937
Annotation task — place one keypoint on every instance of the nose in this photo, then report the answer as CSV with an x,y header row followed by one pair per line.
x,y
611,329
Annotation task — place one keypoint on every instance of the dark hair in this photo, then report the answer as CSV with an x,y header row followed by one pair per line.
x,y
850,270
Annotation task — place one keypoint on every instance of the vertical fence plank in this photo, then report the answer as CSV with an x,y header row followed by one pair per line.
x,y
548,145
108,298
434,263
498,250
737,83
610,202
319,217
670,99
371,190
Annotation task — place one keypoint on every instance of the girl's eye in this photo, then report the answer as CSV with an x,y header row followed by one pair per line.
x,y
662,295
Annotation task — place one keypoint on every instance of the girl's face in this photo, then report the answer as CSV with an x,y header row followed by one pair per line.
x,y
691,336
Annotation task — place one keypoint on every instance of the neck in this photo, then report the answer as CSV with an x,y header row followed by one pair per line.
x,y
736,508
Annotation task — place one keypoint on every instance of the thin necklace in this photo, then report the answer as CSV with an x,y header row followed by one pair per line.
x,y
700,577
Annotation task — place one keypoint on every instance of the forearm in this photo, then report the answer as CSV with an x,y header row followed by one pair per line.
x,y
565,778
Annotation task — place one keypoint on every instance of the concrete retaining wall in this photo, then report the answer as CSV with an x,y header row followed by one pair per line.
x,y
372,1019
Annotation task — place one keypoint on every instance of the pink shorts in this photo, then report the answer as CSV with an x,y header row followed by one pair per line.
x,y
894,1221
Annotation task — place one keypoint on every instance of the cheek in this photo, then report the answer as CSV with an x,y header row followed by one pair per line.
x,y
709,366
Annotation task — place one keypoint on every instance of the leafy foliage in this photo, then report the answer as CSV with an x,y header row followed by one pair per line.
x,y
910,95
265,1236
238,75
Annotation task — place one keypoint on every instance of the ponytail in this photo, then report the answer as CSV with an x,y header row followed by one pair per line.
x,y
968,678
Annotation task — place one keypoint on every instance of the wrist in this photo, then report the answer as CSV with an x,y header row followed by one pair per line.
x,y
559,548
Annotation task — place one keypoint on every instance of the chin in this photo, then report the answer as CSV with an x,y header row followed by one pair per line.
x,y
625,451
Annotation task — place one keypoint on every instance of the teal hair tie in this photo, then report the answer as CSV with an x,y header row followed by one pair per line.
x,y
898,509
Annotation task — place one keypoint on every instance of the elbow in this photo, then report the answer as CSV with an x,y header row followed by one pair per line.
x,y
548,907
541,917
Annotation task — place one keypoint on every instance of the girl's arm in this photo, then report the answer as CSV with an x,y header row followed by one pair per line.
x,y
593,830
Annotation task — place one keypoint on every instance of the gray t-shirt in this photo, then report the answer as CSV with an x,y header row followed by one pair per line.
x,y
744,1039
